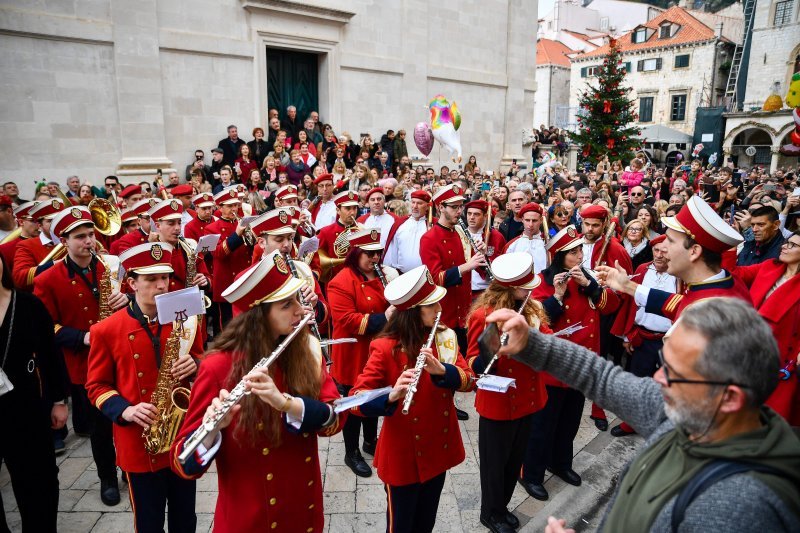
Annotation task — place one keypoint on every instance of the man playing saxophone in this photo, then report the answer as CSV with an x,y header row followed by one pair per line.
x,y
125,370
74,294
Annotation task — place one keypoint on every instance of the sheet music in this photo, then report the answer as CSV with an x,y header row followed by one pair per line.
x,y
348,402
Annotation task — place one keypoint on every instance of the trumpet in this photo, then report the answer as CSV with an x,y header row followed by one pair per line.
x,y
504,336
412,388
248,236
235,396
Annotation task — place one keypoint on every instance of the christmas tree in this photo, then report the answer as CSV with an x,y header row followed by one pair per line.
x,y
605,114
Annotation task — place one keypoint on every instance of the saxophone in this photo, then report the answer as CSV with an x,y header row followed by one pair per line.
x,y
105,287
171,400
191,261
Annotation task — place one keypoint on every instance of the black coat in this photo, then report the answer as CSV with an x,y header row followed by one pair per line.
x,y
259,150
230,150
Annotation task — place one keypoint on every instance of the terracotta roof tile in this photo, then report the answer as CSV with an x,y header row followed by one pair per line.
x,y
550,52
691,31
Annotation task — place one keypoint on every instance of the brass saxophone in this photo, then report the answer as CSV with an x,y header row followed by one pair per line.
x,y
105,287
191,261
171,400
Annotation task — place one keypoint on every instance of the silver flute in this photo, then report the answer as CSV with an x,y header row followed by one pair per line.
x,y
314,328
235,396
412,388
379,273
504,336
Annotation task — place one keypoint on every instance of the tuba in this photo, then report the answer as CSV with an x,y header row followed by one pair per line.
x,y
340,247
170,399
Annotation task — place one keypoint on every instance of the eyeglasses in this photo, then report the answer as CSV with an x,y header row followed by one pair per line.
x,y
670,380
637,194
372,253
791,245
635,230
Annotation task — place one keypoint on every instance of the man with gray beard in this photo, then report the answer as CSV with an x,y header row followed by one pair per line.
x,y
702,410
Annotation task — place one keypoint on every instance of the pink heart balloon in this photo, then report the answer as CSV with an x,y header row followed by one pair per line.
x,y
423,138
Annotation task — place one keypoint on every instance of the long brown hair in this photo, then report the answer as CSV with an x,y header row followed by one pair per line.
x,y
497,296
406,328
248,338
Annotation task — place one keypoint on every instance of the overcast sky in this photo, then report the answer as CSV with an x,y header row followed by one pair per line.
x,y
545,6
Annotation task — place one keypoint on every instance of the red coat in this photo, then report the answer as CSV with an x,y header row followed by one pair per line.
x,y
327,238
129,240
196,228
577,308
530,394
28,255
624,323
231,255
357,310
123,371
442,251
614,252
177,280
262,487
781,310
419,446
671,305
8,249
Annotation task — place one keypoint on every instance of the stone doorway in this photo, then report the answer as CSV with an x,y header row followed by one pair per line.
x,y
292,79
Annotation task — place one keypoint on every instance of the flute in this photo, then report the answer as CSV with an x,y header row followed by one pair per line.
x,y
314,328
504,336
236,395
412,388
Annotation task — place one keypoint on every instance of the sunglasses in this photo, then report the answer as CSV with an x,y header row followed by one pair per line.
x,y
637,194
372,253
679,379
561,213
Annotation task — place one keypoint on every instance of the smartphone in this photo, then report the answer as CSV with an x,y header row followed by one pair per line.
x,y
489,342
733,212
486,186
496,183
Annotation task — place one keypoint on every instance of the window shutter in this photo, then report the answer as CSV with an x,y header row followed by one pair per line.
x,y
627,66
640,65
658,64
583,71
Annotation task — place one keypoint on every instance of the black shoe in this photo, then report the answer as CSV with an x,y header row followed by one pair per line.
x,y
600,423
109,491
461,415
59,446
357,464
617,431
83,434
535,490
497,525
369,448
511,519
569,475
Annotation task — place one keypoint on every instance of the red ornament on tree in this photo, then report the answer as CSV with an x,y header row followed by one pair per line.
x,y
610,144
606,106
586,151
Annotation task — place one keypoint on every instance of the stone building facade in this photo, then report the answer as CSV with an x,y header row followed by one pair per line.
x,y
95,87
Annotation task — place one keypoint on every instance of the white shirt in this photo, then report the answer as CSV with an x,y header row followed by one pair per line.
x,y
642,292
587,255
533,246
664,282
326,215
384,222
478,281
403,251
185,219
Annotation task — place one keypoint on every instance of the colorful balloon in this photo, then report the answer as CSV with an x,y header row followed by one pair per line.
x,y
423,138
443,125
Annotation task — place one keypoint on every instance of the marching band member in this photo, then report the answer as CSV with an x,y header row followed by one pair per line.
x,y
378,217
28,229
329,241
31,253
72,292
402,244
476,225
570,299
505,418
130,195
530,241
143,233
416,450
231,256
286,196
324,209
124,369
266,447
184,194
204,210
275,231
359,310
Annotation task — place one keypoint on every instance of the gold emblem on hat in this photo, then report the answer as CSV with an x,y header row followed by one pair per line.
x,y
282,216
156,252
350,195
152,202
173,205
75,212
280,264
56,203
456,190
373,235
571,231
429,277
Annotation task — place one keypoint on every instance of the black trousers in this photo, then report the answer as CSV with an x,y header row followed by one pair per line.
x,y
412,508
352,427
101,433
27,451
150,492
461,337
644,360
224,313
502,445
552,431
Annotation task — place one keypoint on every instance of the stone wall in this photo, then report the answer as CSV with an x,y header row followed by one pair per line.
x,y
552,90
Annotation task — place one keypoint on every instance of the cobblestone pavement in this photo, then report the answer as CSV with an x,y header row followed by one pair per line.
x,y
358,504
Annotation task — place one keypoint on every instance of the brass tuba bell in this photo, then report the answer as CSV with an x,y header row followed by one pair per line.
x,y
106,216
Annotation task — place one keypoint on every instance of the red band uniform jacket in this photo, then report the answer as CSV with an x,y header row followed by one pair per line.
x,y
262,487
442,251
231,256
671,305
529,395
74,309
419,446
27,256
123,371
129,240
327,237
357,310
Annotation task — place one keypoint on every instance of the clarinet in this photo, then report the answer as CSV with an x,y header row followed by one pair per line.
x,y
314,328
487,269
236,395
379,273
504,336
418,366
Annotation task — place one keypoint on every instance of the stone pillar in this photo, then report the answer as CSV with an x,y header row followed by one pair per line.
x,y
139,93
572,157
776,155
521,75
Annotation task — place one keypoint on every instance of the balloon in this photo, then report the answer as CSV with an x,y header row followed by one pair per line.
x,y
456,115
423,138
444,126
697,150
712,159
678,156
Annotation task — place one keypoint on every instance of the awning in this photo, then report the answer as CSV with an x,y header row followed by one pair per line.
x,y
656,133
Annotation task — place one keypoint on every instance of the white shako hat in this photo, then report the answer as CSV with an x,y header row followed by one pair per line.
x,y
566,239
414,288
269,280
451,193
700,222
515,270
275,222
366,239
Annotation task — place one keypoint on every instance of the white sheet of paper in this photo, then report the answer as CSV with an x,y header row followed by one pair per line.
x,y
348,402
309,246
180,305
569,330
208,243
247,220
494,383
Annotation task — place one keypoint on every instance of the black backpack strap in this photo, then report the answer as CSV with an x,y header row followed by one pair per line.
x,y
708,475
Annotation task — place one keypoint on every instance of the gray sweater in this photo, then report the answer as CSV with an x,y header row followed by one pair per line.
x,y
740,503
